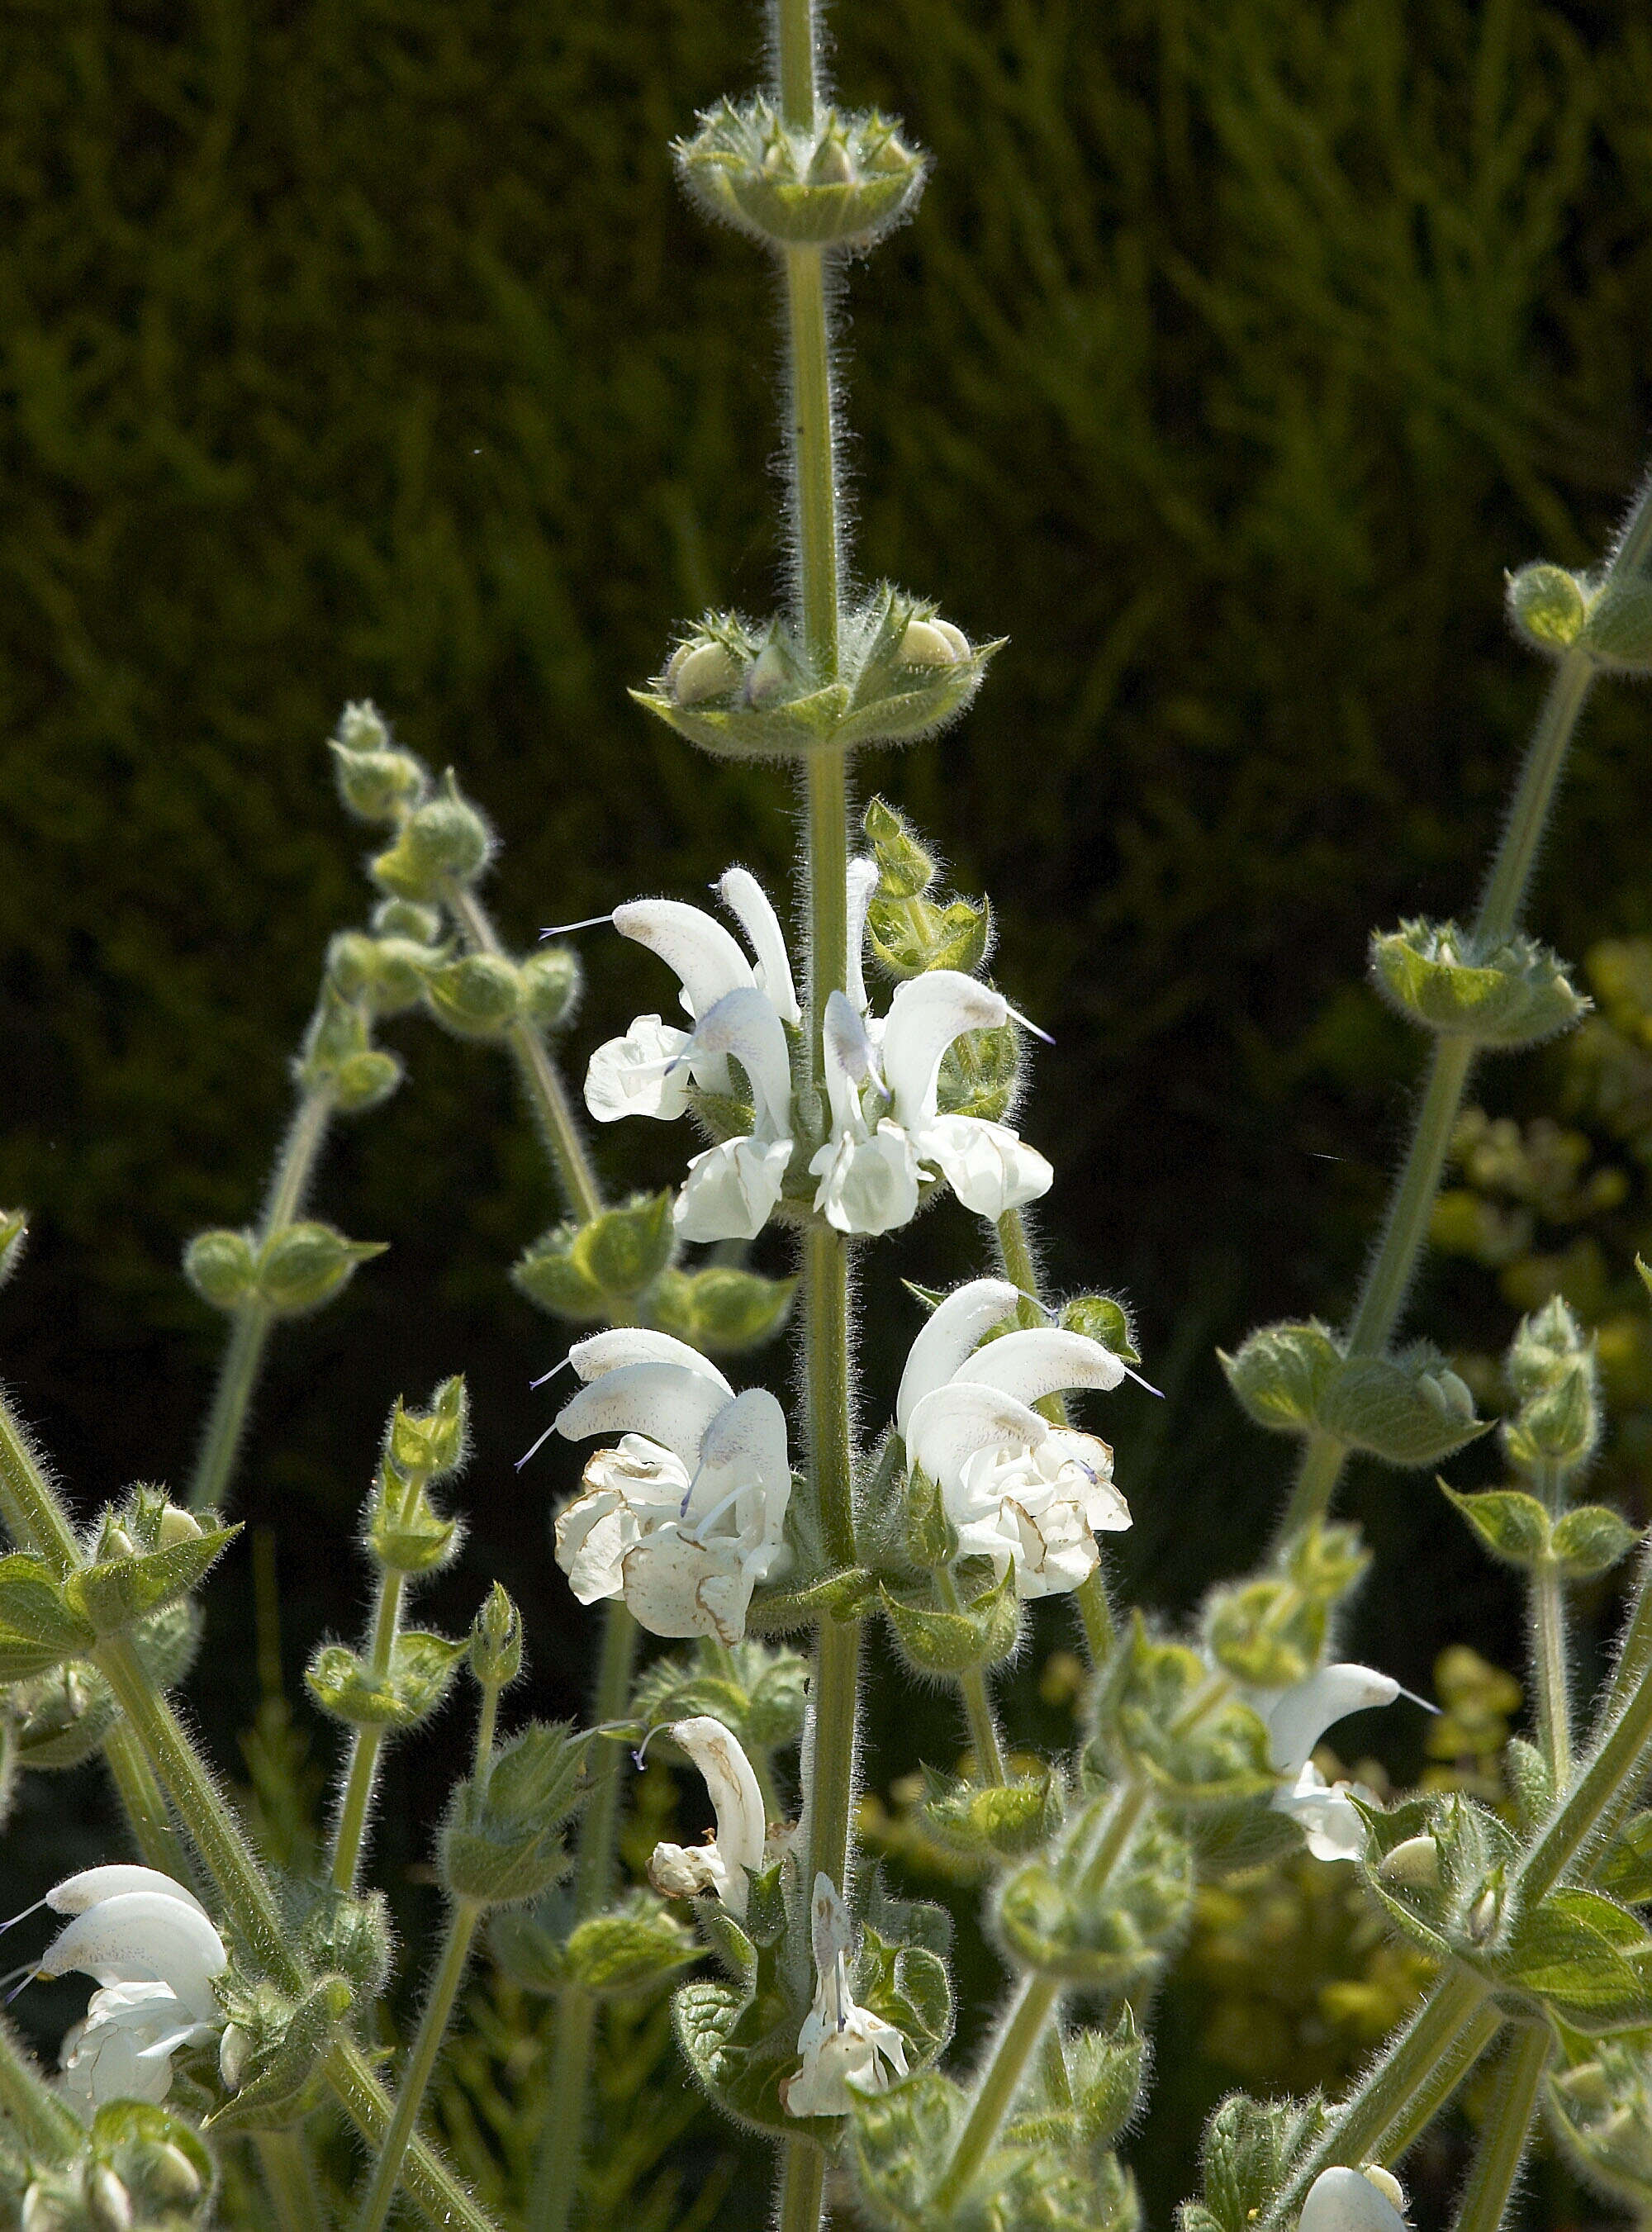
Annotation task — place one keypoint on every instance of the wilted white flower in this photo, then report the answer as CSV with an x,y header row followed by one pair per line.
x,y
847,2049
882,1075
687,1515
1017,1489
1296,1718
152,1949
676,1872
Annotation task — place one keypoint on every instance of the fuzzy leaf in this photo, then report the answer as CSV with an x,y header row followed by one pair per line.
x,y
981,1634
110,1595
1591,1539
421,1671
1513,1526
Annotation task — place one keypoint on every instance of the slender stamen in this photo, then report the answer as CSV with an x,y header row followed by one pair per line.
x,y
696,1533
1140,1382
551,1373
29,1973
1027,1024
688,1496
561,929
537,1447
23,1917
1423,1701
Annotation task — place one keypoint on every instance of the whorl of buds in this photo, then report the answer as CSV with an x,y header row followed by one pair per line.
x,y
840,185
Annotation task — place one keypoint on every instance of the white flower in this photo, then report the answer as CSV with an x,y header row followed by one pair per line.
x,y
687,1515
720,1865
1296,1718
1369,2200
150,1947
847,2049
1017,1489
882,1076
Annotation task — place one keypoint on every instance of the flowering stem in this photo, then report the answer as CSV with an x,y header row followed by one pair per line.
x,y
289,2181
972,1682
1505,2132
1404,2089
1547,1615
243,1353
1013,2048
144,1805
1607,1773
432,2027
367,1742
541,1080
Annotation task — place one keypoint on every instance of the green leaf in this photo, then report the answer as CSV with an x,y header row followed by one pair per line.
x,y
1626,1871
981,1634
65,1716
1103,1318
1007,1819
1513,1526
1108,1940
1156,1714
1281,1374
1591,1539
33,1610
1531,1782
421,1671
846,1596
902,2140
285,2079
1250,2149
631,1954
1584,1957
741,2047
1408,1410
112,1594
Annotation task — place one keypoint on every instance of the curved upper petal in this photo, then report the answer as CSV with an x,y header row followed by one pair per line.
x,y
990,1168
750,1433
143,1936
949,1425
747,900
706,956
743,1023
75,1893
1298,1716
743,1822
600,1353
849,1060
925,1016
1039,1361
954,1327
862,883
668,1402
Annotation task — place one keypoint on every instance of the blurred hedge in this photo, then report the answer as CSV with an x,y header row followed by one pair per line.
x,y
362,346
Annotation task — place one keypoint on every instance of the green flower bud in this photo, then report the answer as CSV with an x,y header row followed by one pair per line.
x,y
476,997
14,1232
222,1269
376,781
421,1671
720,1309
1508,992
1546,606
911,936
366,1080
496,1641
305,1265
934,643
551,1276
845,183
905,868
176,1526
404,1540
445,840
551,982
351,963
505,1845
623,1250
349,1935
432,1442
700,670
1415,1863
419,925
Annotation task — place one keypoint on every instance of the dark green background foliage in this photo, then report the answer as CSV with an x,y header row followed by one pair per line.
x,y
359,348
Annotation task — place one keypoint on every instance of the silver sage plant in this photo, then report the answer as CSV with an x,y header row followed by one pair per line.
x,y
231,2043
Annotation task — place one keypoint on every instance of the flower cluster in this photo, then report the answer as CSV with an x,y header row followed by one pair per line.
x,y
1017,1489
1295,1719
152,1949
889,1138
687,1515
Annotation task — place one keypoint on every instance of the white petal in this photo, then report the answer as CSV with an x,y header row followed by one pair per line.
x,y
1343,2201
1298,1716
731,1189
990,1168
592,1538
749,1436
639,1075
867,1185
676,1587
829,1931
745,897
1041,1360
705,955
670,1403
75,1893
849,1060
1326,1815
601,1353
744,1023
676,1872
1056,1551
738,1802
925,1016
143,1935
863,882
948,1426
954,1328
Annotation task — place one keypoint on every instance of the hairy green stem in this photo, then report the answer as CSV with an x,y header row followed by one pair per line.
x,y
289,2180
541,1080
1607,1775
1546,1614
1017,2040
795,44
421,2065
1504,2134
971,1683
144,1803
366,1742
1404,2088
243,1353
426,2178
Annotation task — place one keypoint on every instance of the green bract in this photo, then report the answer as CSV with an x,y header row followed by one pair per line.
x,y
1171,1718
747,693
938,1640
504,1844
1409,1409
1547,605
280,2076
1501,992
304,1266
839,185
1109,1937
632,1953
420,1673
1516,1527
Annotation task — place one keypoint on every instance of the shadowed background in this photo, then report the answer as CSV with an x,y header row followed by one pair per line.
x,y
365,347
